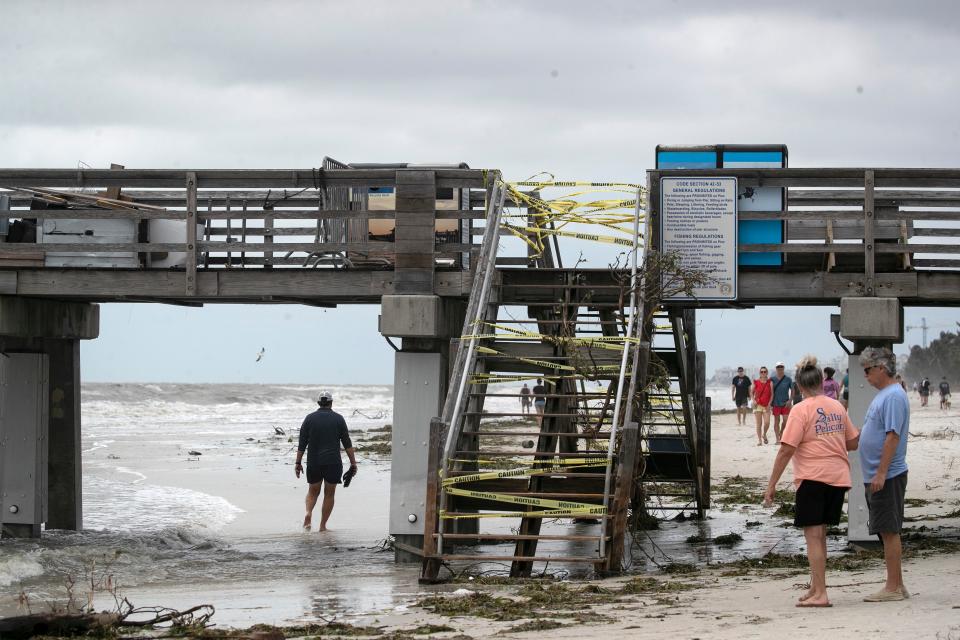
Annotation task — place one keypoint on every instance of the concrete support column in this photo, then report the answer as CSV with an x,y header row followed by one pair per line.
x,y
40,470
64,500
426,324
875,322
24,396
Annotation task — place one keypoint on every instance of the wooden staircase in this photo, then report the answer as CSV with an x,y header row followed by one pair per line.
x,y
553,489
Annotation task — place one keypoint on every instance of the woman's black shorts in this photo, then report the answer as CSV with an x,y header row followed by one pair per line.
x,y
818,503
329,473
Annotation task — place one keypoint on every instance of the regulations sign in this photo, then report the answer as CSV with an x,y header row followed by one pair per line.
x,y
698,222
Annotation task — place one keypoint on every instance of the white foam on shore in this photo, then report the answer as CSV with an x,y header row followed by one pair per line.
x,y
117,506
140,477
16,568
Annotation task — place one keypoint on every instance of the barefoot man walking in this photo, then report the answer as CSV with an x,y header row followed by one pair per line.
x,y
321,435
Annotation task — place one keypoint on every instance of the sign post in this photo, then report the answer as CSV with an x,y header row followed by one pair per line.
x,y
698,218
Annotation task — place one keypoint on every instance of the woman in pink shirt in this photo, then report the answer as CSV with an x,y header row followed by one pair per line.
x,y
831,388
817,438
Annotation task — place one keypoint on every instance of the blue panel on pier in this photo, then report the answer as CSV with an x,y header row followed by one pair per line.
x,y
686,160
758,199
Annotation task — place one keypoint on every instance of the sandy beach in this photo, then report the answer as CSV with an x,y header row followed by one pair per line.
x,y
727,601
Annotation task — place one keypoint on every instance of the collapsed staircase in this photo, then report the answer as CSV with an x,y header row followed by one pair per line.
x,y
554,489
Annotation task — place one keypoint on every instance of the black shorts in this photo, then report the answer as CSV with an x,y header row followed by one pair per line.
x,y
818,503
742,403
329,473
886,505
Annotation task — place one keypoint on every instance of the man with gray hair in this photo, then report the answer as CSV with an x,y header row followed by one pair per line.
x,y
883,452
321,435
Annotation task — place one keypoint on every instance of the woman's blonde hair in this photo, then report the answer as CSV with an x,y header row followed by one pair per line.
x,y
809,375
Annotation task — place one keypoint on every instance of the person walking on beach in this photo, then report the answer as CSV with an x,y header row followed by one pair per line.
x,y
539,400
525,399
944,394
321,435
740,394
782,385
924,391
762,395
883,460
831,388
816,438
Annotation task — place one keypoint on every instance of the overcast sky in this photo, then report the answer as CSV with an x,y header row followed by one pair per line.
x,y
585,90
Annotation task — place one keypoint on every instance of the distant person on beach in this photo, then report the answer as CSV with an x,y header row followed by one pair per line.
x,y
831,388
740,394
816,438
321,435
944,394
762,395
883,460
924,391
539,400
845,394
782,387
525,399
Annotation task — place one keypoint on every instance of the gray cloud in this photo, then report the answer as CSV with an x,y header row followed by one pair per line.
x,y
585,90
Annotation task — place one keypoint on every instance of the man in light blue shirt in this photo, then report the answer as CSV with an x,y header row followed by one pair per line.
x,y
883,453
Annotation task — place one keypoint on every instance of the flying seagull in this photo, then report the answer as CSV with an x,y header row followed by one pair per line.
x,y
260,355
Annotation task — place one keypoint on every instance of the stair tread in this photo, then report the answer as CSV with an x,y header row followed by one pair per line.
x,y
594,559
515,536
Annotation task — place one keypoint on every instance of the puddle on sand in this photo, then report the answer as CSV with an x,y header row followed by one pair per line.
x,y
761,533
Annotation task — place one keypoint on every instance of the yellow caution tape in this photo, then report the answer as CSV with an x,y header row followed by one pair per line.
x,y
569,234
557,466
529,501
557,366
593,510
546,184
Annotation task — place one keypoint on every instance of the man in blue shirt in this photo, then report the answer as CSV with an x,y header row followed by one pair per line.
x,y
781,400
883,453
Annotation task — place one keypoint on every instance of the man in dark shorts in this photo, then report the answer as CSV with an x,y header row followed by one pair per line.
x,y
883,453
539,400
740,392
321,435
944,394
924,391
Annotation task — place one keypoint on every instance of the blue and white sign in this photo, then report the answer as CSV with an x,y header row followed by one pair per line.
x,y
698,223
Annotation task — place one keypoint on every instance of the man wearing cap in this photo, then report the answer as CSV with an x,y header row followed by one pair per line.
x,y
781,400
321,435
740,394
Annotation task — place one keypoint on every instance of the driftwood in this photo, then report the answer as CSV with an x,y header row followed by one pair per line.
x,y
69,624
53,624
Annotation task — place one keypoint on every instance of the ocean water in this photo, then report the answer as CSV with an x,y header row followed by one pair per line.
x,y
189,494
157,515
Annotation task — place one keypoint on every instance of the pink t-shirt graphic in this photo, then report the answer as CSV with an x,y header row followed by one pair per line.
x,y
819,428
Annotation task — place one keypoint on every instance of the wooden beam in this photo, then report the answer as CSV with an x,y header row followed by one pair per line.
x,y
191,222
416,202
869,243
626,465
224,178
431,564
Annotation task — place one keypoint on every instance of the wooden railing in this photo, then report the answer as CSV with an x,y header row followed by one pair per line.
x,y
262,219
867,221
